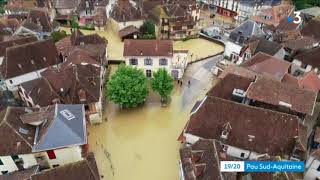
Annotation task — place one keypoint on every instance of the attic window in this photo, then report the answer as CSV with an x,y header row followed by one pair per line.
x,y
20,66
32,61
44,59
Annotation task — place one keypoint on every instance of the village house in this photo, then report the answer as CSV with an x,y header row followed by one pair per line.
x,y
8,27
63,10
130,32
202,161
256,45
214,119
293,47
151,55
49,137
240,10
177,19
79,80
219,123
100,17
273,15
238,38
38,23
125,13
306,61
82,170
19,6
24,62
310,13
93,44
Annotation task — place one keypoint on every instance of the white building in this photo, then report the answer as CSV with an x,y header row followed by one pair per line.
x,y
151,55
238,38
49,137
312,167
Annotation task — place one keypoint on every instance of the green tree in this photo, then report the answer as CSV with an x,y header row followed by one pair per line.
x,y
148,30
127,87
58,35
162,83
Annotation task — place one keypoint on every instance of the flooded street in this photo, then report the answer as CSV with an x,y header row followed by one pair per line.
x,y
141,143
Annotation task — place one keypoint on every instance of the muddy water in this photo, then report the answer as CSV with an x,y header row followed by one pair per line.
x,y
139,144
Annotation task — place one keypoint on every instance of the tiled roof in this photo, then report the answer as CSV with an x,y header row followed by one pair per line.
x,y
301,43
29,57
310,56
201,161
19,41
245,31
275,93
311,29
148,48
128,30
124,11
310,82
82,170
17,137
264,46
265,64
252,128
224,88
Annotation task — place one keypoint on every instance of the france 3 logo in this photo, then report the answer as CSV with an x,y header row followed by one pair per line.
x,y
296,19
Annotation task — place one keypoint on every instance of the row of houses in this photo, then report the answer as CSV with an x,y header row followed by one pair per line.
x,y
61,89
245,113
268,82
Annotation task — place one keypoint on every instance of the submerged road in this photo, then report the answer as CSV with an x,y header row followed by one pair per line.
x,y
201,80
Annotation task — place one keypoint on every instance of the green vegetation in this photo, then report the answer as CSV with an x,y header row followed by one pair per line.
x,y
148,30
162,83
2,4
127,87
58,35
303,4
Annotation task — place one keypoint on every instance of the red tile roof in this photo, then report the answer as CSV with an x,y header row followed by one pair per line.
x,y
265,126
148,48
289,79
274,92
310,82
265,64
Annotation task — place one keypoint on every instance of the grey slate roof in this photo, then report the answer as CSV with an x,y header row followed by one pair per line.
x,y
68,127
260,2
245,31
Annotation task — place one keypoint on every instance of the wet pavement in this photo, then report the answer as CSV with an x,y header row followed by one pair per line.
x,y
141,143
201,80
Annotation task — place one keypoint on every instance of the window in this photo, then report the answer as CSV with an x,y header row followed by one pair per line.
x,y
242,155
163,62
20,66
148,73
55,165
133,61
14,158
32,61
148,62
4,172
1,163
318,169
86,107
51,154
304,66
11,82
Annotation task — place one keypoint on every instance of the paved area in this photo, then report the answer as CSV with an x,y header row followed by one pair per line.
x,y
201,80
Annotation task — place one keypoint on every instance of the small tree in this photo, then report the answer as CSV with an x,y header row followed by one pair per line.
x,y
162,83
148,30
127,87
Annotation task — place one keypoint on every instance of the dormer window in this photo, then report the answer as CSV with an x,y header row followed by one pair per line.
x,y
32,61
20,66
44,59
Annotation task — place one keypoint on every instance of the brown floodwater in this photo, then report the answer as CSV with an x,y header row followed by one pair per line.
x,y
140,143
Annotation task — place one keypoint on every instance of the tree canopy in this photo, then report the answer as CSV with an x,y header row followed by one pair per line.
x,y
162,83
58,35
148,30
127,87
303,4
